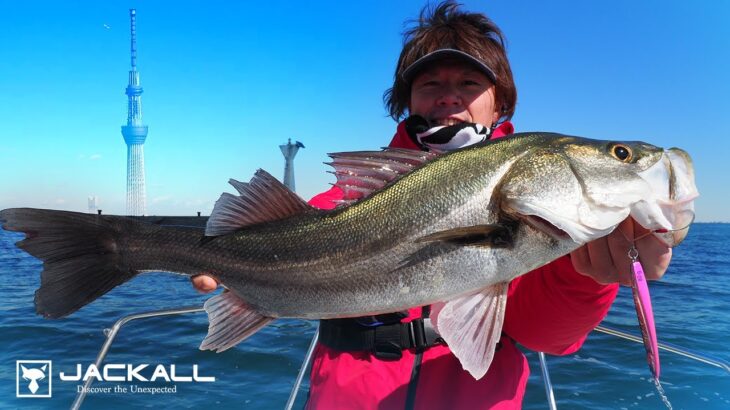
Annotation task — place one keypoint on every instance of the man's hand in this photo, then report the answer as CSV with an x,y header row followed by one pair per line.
x,y
606,259
204,283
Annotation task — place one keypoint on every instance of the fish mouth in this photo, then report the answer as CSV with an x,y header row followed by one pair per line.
x,y
671,211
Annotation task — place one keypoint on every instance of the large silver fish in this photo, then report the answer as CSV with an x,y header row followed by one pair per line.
x,y
415,228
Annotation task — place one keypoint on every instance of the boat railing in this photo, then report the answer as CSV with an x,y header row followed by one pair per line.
x,y
713,361
111,334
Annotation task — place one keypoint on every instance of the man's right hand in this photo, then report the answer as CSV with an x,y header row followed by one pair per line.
x,y
204,283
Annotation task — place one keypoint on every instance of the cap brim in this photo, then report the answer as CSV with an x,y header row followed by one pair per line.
x,y
445,53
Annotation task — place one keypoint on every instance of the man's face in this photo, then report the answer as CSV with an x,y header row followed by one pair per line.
x,y
447,93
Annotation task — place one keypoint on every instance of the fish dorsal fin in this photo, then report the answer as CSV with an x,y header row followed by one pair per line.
x,y
230,320
361,173
263,199
472,326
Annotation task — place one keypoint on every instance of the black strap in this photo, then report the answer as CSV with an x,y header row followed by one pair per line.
x,y
416,369
385,341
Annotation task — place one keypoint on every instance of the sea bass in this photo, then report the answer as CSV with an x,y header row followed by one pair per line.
x,y
415,228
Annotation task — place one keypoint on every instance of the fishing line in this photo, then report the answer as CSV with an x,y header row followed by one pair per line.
x,y
662,394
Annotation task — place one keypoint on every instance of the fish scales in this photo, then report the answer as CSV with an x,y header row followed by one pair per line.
x,y
313,259
282,254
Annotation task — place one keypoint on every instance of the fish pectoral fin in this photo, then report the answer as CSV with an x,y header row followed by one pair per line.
x,y
494,235
263,199
230,320
472,326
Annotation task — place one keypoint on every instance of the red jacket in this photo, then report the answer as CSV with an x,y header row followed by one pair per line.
x,y
551,309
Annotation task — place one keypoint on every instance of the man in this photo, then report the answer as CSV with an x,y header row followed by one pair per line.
x,y
454,81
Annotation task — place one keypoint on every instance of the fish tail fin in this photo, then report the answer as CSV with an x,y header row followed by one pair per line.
x,y
80,254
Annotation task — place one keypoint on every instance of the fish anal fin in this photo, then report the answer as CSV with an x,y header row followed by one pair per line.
x,y
494,235
263,199
230,321
472,326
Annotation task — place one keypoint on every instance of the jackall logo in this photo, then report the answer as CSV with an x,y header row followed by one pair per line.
x,y
33,378
117,372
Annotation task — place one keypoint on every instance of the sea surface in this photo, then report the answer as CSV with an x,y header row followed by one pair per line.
x,y
691,306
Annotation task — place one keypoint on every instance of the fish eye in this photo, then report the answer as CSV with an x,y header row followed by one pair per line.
x,y
621,153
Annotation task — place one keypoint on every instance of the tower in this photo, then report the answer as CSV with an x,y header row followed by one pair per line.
x,y
93,204
290,151
135,133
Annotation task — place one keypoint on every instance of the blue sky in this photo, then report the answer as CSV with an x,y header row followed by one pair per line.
x,y
227,82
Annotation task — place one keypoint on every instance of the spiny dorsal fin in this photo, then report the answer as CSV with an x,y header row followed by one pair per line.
x,y
263,199
361,173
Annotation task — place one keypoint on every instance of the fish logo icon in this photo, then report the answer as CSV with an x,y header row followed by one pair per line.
x,y
33,378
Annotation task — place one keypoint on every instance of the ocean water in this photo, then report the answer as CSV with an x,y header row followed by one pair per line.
x,y
691,306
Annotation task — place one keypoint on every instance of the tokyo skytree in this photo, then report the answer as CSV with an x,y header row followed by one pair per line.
x,y
135,134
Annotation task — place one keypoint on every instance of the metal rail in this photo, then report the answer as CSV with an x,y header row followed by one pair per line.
x,y
548,383
722,364
302,370
114,330
112,333
669,348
